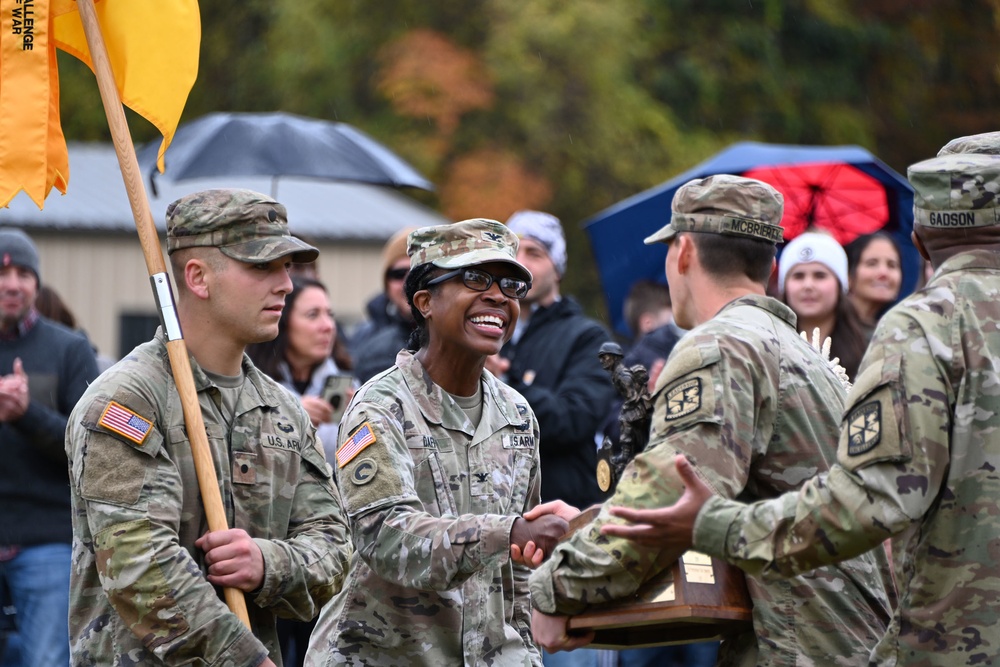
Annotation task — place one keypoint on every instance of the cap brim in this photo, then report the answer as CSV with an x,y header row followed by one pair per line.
x,y
481,257
665,233
270,248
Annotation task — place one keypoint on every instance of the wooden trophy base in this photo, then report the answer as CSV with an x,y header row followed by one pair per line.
x,y
696,599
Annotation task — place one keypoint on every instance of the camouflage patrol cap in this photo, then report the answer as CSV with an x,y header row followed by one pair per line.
x,y
987,143
242,224
955,191
725,204
465,243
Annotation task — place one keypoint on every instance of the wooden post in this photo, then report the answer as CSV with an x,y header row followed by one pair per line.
x,y
176,349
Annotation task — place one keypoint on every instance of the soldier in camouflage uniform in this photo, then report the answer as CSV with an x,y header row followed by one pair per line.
x,y
918,454
438,459
756,408
145,571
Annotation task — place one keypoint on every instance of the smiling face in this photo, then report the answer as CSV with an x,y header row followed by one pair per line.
x,y
877,277
462,320
18,291
311,329
811,290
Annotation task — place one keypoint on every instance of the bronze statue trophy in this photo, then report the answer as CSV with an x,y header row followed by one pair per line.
x,y
698,598
631,383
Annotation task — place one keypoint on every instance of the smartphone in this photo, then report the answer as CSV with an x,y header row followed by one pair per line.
x,y
335,393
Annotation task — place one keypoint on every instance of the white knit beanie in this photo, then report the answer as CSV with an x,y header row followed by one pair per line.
x,y
812,247
544,228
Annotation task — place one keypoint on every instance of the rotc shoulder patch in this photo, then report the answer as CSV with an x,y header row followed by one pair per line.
x,y
356,443
864,428
116,417
683,399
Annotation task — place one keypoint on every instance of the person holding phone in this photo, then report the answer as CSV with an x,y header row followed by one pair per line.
x,y
301,360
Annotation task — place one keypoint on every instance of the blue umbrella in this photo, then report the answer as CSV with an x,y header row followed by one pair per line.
x,y
616,233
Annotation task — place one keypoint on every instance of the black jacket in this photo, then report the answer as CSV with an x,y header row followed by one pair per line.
x,y
554,365
34,476
376,343
654,346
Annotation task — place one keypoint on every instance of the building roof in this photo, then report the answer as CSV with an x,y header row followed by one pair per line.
x,y
320,210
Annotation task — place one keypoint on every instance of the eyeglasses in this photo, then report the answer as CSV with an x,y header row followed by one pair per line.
x,y
397,274
480,281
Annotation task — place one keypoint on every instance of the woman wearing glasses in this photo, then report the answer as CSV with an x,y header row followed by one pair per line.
x,y
437,462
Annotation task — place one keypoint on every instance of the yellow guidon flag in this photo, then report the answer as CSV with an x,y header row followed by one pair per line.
x,y
153,47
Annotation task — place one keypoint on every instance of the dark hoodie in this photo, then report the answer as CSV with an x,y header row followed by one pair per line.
x,y
554,365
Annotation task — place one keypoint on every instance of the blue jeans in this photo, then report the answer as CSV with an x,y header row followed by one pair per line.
x,y
684,655
38,581
581,657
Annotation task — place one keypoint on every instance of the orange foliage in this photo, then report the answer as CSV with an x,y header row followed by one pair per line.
x,y
423,74
493,184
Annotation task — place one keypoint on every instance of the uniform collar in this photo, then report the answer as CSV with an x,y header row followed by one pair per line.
x,y
770,304
437,406
970,259
259,392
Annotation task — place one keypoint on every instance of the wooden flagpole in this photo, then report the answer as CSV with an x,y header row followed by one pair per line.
x,y
176,349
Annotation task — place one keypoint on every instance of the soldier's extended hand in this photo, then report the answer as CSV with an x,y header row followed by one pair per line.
x,y
544,531
672,525
233,559
552,633
531,554
557,507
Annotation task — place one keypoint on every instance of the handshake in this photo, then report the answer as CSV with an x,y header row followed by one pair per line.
x,y
535,534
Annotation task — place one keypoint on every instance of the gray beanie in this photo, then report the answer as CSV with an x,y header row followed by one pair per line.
x,y
17,249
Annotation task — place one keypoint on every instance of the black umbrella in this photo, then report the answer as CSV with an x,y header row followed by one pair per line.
x,y
278,144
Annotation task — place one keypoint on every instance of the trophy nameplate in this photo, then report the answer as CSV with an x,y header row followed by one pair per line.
x,y
672,609
697,599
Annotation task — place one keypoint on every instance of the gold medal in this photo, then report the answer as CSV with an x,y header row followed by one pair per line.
x,y
603,475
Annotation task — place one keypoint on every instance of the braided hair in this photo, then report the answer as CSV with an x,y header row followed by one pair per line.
x,y
417,280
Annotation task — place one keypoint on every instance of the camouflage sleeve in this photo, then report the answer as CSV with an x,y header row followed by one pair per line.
x,y
521,573
707,409
305,570
892,456
131,496
392,531
590,568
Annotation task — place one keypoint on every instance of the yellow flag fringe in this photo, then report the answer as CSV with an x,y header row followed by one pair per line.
x,y
153,47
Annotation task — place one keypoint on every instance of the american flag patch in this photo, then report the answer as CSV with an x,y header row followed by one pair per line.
x,y
355,444
123,421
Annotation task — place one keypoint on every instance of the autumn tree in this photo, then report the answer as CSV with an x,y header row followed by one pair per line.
x,y
573,106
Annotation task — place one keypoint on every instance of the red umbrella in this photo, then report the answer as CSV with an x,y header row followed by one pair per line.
x,y
821,176
833,196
